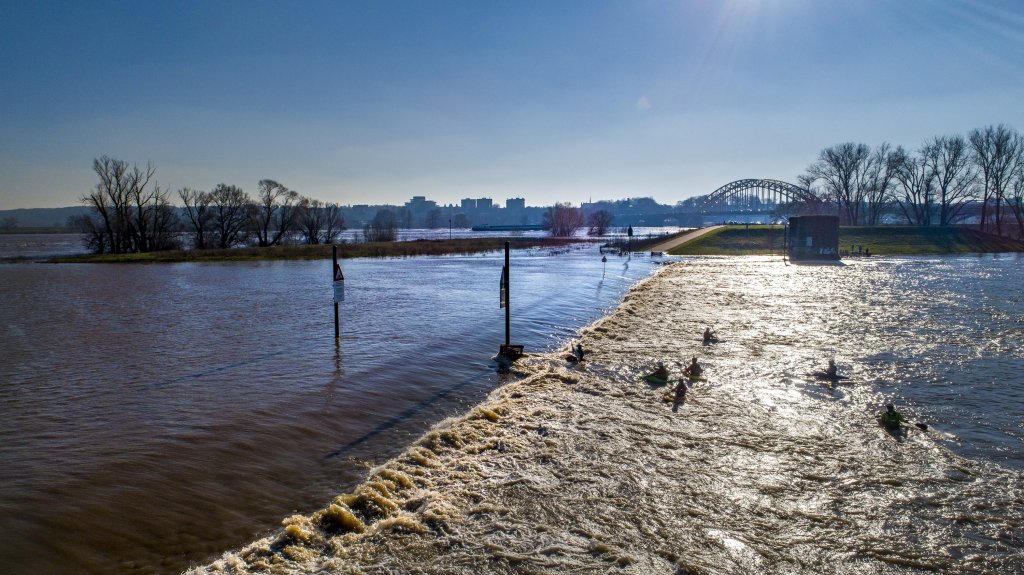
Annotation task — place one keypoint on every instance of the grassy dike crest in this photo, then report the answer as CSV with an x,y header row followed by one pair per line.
x,y
881,240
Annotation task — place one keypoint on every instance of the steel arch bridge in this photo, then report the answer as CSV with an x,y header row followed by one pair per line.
x,y
755,195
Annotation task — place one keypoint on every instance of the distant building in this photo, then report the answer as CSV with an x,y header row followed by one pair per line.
x,y
515,204
420,203
484,203
468,204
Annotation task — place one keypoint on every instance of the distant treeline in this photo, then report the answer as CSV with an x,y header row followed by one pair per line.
x,y
130,213
947,180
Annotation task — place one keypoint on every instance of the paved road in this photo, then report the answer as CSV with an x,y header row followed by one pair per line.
x,y
665,246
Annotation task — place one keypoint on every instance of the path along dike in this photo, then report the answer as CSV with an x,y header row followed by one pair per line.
x,y
667,245
585,469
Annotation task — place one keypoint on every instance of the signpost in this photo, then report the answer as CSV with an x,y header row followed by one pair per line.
x,y
507,351
339,291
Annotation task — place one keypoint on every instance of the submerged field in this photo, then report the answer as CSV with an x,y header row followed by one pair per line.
x,y
586,469
313,252
881,240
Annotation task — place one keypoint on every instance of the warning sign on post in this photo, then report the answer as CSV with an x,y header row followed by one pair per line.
x,y
339,284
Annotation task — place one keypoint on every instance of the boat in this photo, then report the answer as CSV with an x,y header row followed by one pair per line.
x,y
651,378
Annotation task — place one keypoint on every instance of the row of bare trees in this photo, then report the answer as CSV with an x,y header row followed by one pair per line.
x,y
933,185
227,216
131,213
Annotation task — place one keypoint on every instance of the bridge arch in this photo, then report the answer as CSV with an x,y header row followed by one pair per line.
x,y
755,194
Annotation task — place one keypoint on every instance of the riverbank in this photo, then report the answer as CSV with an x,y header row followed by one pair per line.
x,y
308,252
881,240
585,468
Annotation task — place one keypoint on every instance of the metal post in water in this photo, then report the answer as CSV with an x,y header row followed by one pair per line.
x,y
508,308
507,352
334,278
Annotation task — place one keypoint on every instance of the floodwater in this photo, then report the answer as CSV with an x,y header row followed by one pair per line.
x,y
36,246
762,469
155,415
21,247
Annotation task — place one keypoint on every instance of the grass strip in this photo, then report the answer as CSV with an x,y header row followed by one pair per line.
x,y
881,240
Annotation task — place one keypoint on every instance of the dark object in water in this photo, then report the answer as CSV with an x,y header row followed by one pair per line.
x,y
828,376
510,352
680,396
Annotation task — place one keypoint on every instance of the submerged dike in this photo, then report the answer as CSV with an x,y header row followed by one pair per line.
x,y
585,469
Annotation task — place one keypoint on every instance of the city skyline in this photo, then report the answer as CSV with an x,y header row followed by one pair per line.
x,y
550,102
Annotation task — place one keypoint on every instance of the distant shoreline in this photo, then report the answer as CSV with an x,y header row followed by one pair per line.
x,y
323,251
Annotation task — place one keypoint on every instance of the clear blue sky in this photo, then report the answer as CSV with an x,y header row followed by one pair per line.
x,y
377,101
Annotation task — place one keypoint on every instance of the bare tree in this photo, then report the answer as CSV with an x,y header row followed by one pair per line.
x,y
109,202
334,223
915,197
128,208
230,206
823,205
199,213
383,227
599,222
996,151
143,201
949,160
164,224
842,169
1016,199
94,236
562,220
310,220
878,180
318,222
275,213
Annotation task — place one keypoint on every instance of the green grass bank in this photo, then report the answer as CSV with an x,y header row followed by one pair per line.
x,y
307,252
881,240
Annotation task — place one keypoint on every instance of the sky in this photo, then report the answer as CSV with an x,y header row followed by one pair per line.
x,y
371,102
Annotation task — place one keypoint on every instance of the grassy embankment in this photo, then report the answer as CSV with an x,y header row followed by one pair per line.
x,y
881,240
305,252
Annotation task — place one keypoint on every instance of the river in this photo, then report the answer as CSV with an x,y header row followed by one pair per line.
x,y
148,410
155,416
762,469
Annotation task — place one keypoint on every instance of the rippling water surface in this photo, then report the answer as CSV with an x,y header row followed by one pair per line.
x,y
156,415
153,415
588,469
